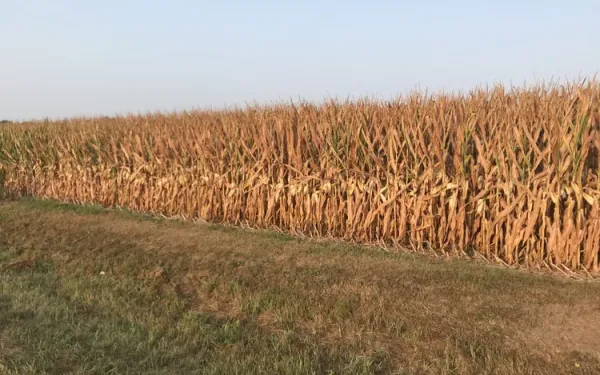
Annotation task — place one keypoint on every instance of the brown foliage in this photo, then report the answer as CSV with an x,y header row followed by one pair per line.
x,y
512,175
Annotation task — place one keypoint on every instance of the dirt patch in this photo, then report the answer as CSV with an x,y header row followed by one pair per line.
x,y
565,329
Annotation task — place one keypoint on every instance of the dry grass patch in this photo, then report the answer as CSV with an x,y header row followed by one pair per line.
x,y
565,329
366,311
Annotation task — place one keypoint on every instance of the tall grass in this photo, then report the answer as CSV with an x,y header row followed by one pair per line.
x,y
512,174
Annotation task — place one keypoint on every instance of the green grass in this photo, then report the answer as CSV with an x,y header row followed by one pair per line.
x,y
84,290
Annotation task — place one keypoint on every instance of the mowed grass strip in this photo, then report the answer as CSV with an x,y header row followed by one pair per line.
x,y
84,290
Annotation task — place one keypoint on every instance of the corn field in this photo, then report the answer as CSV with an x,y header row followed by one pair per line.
x,y
509,174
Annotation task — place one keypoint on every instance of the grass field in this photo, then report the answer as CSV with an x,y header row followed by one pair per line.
x,y
84,290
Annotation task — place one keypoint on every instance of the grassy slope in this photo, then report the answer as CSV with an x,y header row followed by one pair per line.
x,y
185,298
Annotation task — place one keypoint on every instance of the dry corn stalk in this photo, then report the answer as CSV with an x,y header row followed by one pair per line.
x,y
510,174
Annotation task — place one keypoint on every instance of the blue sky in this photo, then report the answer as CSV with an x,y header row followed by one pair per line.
x,y
65,58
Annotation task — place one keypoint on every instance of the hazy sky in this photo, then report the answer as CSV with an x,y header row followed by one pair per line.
x,y
65,58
